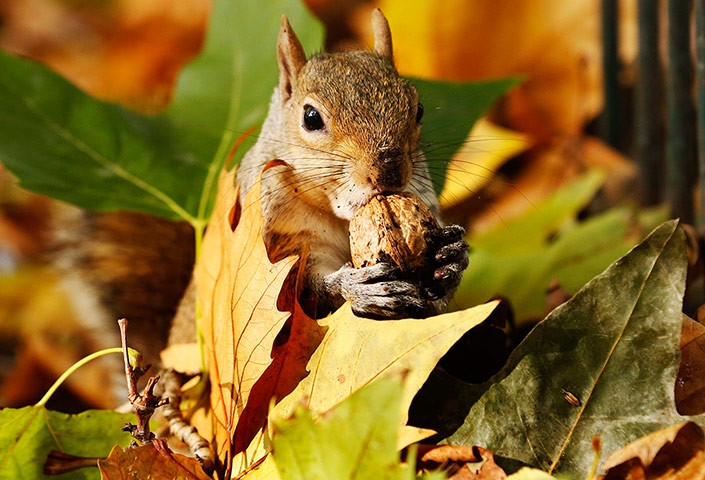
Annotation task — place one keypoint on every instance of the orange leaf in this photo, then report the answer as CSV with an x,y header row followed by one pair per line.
x,y
153,460
690,382
660,454
460,462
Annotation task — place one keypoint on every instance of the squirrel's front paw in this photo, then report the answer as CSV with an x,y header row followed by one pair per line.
x,y
448,262
380,291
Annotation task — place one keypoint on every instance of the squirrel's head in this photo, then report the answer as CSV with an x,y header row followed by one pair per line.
x,y
353,122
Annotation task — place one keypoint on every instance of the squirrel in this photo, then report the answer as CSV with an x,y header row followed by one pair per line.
x,y
343,127
347,126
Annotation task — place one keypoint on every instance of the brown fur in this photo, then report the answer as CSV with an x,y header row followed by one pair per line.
x,y
137,265
369,146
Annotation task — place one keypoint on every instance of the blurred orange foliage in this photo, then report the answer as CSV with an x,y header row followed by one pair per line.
x,y
129,51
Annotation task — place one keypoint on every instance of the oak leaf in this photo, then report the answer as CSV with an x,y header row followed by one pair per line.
x,y
257,350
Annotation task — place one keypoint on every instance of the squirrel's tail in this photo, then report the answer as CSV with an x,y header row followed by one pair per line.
x,y
124,265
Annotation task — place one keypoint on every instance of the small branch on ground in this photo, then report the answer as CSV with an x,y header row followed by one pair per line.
x,y
144,404
180,428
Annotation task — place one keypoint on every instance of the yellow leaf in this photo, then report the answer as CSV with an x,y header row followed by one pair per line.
x,y
182,357
357,350
488,147
257,352
238,289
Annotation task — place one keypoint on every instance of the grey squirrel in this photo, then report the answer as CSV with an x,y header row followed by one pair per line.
x,y
347,126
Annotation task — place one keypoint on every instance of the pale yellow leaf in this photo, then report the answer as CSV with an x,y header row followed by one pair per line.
x,y
488,146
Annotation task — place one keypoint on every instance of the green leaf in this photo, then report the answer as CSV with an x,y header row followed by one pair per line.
x,y
28,434
451,109
60,142
553,245
356,439
63,143
614,346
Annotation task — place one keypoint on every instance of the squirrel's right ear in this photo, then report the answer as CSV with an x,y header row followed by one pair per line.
x,y
290,57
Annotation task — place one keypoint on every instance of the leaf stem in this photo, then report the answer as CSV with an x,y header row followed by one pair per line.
x,y
199,229
72,369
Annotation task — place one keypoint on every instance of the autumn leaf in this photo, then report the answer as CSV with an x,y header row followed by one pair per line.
x,y
355,351
674,452
152,460
357,439
238,288
253,357
613,347
690,384
460,462
555,47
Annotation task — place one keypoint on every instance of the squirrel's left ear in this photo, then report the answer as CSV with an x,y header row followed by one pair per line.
x,y
383,35
290,57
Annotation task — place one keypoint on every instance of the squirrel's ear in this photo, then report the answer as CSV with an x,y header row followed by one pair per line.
x,y
290,56
383,36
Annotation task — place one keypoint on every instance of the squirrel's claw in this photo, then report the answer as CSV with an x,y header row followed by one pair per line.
x,y
451,259
378,291
384,291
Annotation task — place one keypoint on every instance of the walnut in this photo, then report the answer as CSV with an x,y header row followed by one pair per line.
x,y
395,228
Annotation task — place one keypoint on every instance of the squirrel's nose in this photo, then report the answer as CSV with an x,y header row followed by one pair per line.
x,y
393,170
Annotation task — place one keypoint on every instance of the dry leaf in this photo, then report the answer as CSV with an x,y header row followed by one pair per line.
x,y
238,288
659,455
460,462
153,460
690,382
257,352
182,357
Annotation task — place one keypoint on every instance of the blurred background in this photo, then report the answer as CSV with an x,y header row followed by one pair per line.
x,y
552,185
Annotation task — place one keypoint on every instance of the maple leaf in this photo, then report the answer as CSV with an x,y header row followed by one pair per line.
x,y
257,352
152,460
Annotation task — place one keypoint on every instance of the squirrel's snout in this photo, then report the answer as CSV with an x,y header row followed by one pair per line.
x,y
393,170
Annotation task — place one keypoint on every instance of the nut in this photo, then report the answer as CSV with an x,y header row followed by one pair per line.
x,y
395,228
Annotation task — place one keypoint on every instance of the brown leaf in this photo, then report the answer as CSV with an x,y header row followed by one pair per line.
x,y
153,460
690,381
659,455
460,462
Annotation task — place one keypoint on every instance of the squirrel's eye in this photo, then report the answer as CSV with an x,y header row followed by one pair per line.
x,y
312,119
419,112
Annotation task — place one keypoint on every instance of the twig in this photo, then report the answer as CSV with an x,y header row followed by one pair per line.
x,y
179,428
143,404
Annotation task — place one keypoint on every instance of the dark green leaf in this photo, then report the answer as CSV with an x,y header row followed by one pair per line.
x,y
63,143
451,109
27,435
614,346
